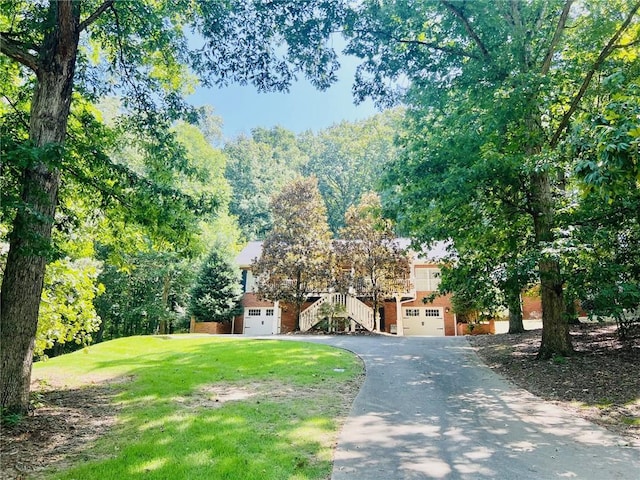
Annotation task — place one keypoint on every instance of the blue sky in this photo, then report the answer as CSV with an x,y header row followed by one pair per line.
x,y
303,108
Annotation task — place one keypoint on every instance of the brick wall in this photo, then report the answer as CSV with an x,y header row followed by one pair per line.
x,y
250,300
443,301
213,328
531,307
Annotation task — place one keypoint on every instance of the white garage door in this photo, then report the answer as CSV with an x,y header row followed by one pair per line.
x,y
260,321
423,321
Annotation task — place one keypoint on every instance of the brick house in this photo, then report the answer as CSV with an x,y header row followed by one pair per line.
x,y
405,313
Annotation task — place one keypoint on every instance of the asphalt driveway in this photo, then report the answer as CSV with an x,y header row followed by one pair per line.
x,y
430,409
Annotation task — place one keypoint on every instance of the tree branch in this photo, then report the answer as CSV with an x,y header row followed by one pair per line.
x,y
454,51
24,122
627,45
434,46
18,51
95,15
606,51
546,65
467,26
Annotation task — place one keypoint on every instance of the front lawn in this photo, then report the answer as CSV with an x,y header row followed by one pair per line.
x,y
207,407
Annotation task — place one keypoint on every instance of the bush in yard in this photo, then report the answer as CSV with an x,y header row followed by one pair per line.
x,y
216,295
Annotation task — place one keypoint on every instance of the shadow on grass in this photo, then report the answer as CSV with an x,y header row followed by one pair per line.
x,y
57,431
170,426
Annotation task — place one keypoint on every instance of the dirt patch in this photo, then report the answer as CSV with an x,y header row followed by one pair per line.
x,y
218,394
215,396
600,382
57,431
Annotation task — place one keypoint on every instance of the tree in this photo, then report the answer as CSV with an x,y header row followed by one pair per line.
x,y
335,317
141,50
145,292
604,203
147,270
369,254
446,185
348,160
217,292
67,312
259,167
296,254
523,57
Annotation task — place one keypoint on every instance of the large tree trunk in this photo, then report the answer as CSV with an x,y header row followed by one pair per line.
x,y
24,273
555,330
515,310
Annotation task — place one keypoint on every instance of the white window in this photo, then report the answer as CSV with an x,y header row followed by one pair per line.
x,y
411,312
269,312
253,312
427,279
431,312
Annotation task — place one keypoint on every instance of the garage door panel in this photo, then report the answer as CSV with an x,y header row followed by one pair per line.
x,y
423,321
259,321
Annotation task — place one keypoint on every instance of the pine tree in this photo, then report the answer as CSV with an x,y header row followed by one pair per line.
x,y
216,295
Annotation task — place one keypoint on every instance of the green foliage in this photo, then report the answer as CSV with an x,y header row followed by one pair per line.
x,y
259,167
348,160
334,317
296,254
243,40
446,185
603,210
217,291
10,419
145,292
559,360
607,141
492,90
222,233
141,51
67,314
101,182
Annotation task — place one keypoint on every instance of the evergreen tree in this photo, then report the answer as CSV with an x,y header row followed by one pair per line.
x,y
217,292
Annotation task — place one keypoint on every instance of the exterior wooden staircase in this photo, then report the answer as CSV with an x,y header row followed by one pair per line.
x,y
358,312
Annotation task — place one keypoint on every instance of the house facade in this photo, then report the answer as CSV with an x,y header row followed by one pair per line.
x,y
405,313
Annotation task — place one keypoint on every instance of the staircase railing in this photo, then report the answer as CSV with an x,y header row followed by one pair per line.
x,y
357,311
360,312
311,316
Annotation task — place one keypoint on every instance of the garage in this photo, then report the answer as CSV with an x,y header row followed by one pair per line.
x,y
260,321
426,321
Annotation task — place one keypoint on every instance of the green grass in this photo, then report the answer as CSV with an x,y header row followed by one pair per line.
x,y
170,425
631,420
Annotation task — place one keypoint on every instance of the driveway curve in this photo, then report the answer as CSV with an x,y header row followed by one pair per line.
x,y
429,408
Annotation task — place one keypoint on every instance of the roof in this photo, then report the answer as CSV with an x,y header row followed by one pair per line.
x,y
250,252
437,251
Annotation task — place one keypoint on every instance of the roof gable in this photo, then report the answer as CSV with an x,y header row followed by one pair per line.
x,y
435,254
